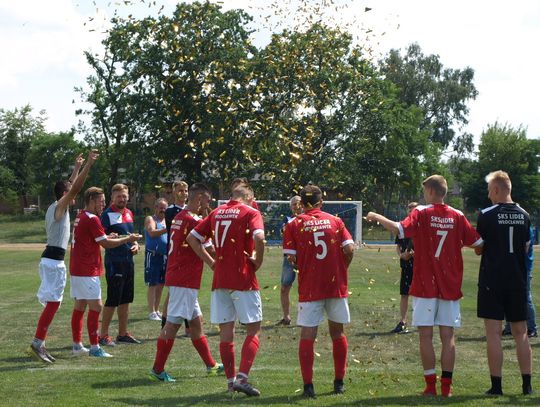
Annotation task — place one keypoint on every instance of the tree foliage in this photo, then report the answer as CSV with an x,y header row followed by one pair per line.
x,y
507,148
442,93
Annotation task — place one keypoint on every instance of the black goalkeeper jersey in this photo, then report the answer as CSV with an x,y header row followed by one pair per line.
x,y
505,231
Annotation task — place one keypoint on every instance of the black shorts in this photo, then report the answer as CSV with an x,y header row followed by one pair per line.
x,y
406,280
502,304
120,282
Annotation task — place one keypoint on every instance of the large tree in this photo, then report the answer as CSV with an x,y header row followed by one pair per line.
x,y
507,148
442,93
18,130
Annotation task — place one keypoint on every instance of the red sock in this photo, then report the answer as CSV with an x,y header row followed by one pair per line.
x,y
76,325
430,389
226,350
446,387
306,356
202,347
249,351
45,320
340,356
164,347
92,325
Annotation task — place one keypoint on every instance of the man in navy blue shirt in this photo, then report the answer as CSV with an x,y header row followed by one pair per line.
x,y
119,268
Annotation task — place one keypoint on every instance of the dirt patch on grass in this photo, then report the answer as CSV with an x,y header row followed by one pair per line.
x,y
22,246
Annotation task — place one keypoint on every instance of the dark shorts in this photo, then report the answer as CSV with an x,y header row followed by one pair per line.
x,y
120,282
154,268
504,304
406,280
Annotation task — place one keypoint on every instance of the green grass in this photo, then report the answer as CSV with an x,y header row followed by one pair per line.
x,y
22,228
383,369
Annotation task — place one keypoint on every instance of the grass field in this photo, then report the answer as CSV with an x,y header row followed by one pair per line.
x,y
383,369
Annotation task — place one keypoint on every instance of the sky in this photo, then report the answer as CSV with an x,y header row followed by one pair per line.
x,y
42,45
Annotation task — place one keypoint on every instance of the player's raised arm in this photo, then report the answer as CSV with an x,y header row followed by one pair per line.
x,y
386,223
77,183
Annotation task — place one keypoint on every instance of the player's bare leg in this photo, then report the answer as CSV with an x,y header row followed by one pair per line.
x,y
157,296
524,353
106,318
339,351
285,304
123,314
494,354
427,355
403,308
448,359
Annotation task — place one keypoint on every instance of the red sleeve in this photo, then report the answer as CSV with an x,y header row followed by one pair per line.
x,y
203,230
346,237
409,225
289,244
254,204
256,223
96,228
470,235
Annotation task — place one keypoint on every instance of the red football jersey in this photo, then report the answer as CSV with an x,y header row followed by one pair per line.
x,y
184,267
232,227
439,232
317,239
85,258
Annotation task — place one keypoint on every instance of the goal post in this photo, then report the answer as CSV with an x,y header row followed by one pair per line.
x,y
274,213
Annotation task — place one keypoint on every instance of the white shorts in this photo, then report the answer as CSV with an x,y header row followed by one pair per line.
x,y
311,313
85,288
183,303
434,311
230,305
53,280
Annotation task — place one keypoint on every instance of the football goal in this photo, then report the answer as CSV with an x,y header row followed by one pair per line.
x,y
274,213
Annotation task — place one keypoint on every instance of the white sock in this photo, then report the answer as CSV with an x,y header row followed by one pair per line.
x,y
94,347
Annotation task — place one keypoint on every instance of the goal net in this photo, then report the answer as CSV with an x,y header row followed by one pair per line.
x,y
274,213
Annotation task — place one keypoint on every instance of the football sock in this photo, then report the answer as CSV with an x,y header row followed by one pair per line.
x,y
431,381
92,325
249,351
339,350
203,349
77,325
226,351
446,384
45,319
164,347
496,385
306,356
526,386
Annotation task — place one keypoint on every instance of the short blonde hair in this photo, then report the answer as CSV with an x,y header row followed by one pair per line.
x,y
119,187
500,178
91,194
412,205
179,183
437,183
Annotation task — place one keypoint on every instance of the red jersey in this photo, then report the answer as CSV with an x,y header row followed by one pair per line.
x,y
184,267
317,239
232,227
439,232
85,258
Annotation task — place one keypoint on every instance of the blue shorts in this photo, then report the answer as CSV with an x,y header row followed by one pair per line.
x,y
288,273
154,268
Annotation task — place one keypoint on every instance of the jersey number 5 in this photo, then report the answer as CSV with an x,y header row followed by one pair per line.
x,y
442,234
321,243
